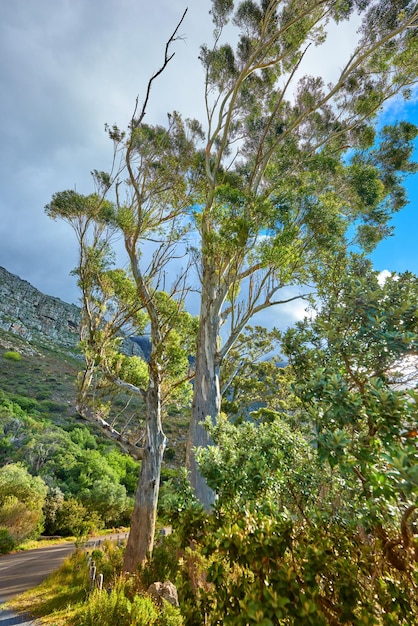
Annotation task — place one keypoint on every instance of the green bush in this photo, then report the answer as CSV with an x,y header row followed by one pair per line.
x,y
176,495
72,518
12,356
109,559
51,406
108,609
274,571
163,565
7,542
29,405
103,608
22,497
43,394
170,615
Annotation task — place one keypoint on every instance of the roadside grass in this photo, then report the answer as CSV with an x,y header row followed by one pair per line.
x,y
67,598
43,543
33,544
58,599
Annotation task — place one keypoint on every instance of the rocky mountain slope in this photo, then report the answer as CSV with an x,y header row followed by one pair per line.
x,y
34,316
38,318
44,331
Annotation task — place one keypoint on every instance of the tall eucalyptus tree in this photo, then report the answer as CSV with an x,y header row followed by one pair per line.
x,y
291,164
142,201
284,171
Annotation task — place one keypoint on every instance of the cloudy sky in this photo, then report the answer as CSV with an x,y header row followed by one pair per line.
x,y
67,67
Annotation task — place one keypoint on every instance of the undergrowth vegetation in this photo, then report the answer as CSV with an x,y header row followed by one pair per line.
x,y
236,570
68,596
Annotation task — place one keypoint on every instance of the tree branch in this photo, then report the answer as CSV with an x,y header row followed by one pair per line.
x,y
111,433
167,58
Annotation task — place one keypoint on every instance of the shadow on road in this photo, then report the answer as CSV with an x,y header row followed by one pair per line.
x,y
9,618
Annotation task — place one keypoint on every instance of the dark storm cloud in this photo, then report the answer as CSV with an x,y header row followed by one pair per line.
x,y
67,68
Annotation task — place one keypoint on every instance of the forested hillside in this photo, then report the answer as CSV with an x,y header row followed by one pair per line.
x,y
87,482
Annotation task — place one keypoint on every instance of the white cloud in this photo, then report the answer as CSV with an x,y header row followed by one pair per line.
x,y
283,315
383,276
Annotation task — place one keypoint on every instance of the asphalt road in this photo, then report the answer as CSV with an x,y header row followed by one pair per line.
x,y
24,570
9,618
21,571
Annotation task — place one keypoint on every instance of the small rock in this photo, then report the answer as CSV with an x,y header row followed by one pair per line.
x,y
166,590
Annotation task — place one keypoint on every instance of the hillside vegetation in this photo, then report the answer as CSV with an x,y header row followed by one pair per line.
x,y
315,520
88,482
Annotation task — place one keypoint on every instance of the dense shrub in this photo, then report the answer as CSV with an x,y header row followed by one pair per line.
x,y
277,571
164,562
109,609
12,356
72,460
7,542
109,559
73,519
176,495
21,501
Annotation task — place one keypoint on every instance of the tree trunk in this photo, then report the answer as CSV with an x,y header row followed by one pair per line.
x,y
206,391
141,536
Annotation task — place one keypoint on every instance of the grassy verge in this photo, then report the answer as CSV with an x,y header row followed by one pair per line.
x,y
58,599
53,541
43,543
67,597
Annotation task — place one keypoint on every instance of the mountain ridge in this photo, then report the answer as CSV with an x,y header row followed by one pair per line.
x,y
35,317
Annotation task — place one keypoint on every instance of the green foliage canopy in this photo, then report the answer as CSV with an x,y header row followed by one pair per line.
x,y
21,500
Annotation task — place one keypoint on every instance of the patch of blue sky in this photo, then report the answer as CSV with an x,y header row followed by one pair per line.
x,y
399,252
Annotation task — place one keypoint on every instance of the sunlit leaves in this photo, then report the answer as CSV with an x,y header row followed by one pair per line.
x,y
21,499
220,64
131,369
125,219
350,362
367,185
402,468
161,186
264,467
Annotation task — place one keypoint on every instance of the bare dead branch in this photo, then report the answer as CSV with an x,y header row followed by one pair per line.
x,y
167,58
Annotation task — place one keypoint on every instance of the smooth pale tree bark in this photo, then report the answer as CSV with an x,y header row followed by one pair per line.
x,y
207,397
142,530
